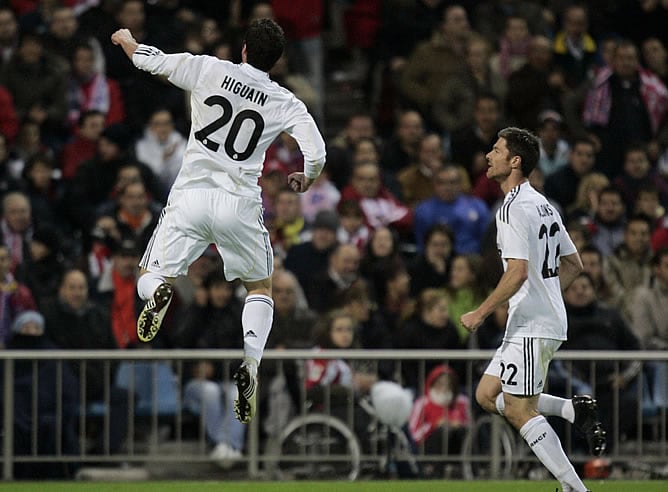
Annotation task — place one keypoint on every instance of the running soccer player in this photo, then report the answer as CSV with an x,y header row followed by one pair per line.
x,y
236,112
539,260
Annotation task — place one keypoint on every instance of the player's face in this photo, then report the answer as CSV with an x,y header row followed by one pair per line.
x,y
498,161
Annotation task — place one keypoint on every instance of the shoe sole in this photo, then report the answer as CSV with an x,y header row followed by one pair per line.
x,y
243,408
148,318
598,441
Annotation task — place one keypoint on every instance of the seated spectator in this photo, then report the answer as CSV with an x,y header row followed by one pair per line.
x,y
466,289
416,180
340,150
402,147
327,284
575,50
353,228
46,266
592,262
89,89
637,173
45,191
312,256
429,328
217,325
57,388
288,225
431,268
591,326
451,205
394,301
7,180
648,315
609,221
554,150
380,206
28,144
322,195
514,46
381,255
585,207
562,184
16,297
441,416
162,147
630,264
274,179
83,145
74,322
16,228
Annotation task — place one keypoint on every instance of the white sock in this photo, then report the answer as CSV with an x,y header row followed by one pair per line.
x,y
545,444
256,321
147,283
547,405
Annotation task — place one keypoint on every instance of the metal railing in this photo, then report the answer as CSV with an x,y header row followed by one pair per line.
x,y
193,447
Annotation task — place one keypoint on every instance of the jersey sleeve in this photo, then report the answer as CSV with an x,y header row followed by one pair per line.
x,y
304,130
513,236
181,69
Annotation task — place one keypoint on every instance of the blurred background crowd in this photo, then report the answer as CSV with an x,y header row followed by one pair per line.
x,y
398,234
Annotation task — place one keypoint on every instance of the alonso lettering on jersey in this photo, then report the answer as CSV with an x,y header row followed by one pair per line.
x,y
236,87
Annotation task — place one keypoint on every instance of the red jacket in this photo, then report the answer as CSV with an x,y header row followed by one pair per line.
x,y
383,210
300,19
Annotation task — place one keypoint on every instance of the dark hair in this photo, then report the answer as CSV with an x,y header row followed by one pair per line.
x,y
590,248
658,256
523,144
323,329
265,42
439,229
640,218
89,113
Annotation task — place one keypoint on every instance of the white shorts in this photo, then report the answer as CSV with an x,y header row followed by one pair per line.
x,y
522,363
194,219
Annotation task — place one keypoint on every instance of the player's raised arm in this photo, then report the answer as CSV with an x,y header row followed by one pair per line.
x,y
124,39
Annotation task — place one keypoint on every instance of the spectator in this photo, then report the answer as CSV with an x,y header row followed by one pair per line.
x,y
575,50
455,103
514,44
471,144
611,111
353,228
562,185
326,285
535,87
592,326
73,322
441,416
46,265
9,35
451,205
9,120
435,61
609,222
89,89
341,149
45,191
63,36
554,150
431,268
217,325
630,264
16,297
35,405
381,256
274,179
306,259
416,180
288,225
293,319
7,180
585,207
593,261
655,56
401,150
429,328
84,143
648,315
322,195
380,206
637,173
466,289
38,85
16,229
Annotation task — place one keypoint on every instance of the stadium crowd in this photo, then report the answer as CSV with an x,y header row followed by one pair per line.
x,y
397,236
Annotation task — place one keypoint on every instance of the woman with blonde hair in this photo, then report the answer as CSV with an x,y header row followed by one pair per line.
x,y
584,208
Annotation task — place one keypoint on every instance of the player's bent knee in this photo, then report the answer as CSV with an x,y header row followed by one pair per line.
x,y
261,287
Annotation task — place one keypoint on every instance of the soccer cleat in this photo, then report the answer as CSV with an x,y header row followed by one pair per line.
x,y
587,421
246,402
154,311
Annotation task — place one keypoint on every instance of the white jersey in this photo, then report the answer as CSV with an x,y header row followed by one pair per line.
x,y
237,112
529,228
